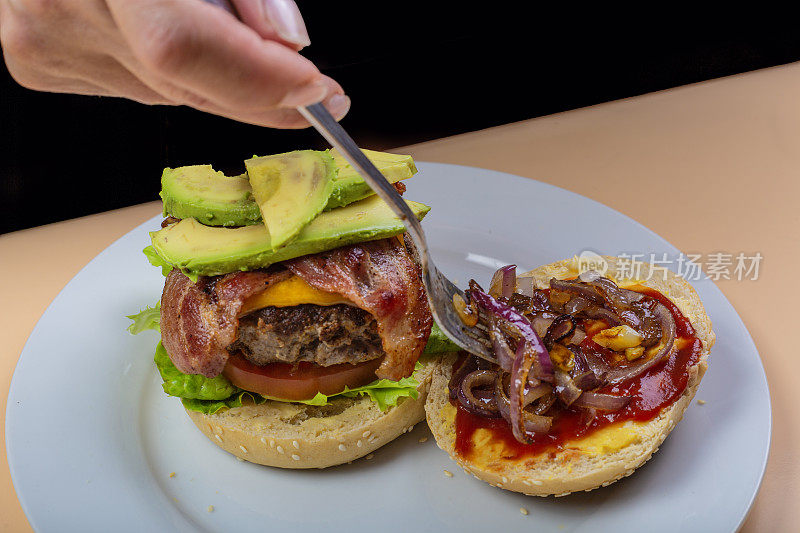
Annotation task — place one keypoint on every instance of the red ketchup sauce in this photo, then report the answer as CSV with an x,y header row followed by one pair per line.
x,y
656,388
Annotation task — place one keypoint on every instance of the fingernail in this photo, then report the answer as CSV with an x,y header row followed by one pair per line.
x,y
338,105
285,17
306,94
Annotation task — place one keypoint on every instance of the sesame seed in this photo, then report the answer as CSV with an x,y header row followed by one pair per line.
x,y
372,438
263,440
526,482
523,511
342,447
701,402
504,479
210,509
218,438
244,450
448,473
536,482
366,434
271,443
370,456
280,449
423,439
295,457
359,443
296,445
172,474
220,431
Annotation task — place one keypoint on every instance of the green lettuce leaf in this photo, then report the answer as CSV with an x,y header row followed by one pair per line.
x,y
147,318
438,342
191,386
210,395
209,407
156,260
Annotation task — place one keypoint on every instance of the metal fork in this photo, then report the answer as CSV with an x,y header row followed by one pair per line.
x,y
440,290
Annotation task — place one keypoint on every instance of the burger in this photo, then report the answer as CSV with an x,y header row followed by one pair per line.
x,y
293,316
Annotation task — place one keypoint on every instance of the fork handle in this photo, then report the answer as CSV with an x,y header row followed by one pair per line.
x,y
324,123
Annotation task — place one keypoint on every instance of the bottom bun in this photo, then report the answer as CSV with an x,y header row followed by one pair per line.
x,y
295,435
578,466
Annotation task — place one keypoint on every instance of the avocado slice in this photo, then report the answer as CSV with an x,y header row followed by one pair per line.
x,y
205,250
349,186
207,196
199,191
290,189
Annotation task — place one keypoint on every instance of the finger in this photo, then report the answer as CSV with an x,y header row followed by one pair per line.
x,y
276,20
337,103
207,52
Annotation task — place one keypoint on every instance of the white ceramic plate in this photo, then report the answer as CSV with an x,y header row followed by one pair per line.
x,y
92,439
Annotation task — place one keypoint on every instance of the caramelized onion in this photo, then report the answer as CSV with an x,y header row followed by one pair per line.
x,y
530,422
534,393
524,327
583,290
541,324
540,303
534,347
505,357
587,380
576,305
516,391
618,298
566,389
467,397
561,327
503,282
601,313
668,332
525,286
544,404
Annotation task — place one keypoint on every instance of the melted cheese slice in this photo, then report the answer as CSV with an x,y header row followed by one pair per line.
x,y
291,292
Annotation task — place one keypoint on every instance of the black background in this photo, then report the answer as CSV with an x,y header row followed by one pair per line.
x,y
414,72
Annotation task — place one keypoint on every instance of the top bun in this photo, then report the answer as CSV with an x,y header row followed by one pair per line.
x,y
571,469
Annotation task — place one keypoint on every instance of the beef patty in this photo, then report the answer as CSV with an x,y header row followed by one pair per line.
x,y
325,335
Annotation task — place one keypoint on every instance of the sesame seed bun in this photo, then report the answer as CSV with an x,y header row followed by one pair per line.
x,y
576,468
295,435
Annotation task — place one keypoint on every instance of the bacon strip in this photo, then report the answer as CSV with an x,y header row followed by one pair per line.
x,y
199,320
382,278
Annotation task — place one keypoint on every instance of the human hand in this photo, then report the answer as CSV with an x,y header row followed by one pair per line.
x,y
173,52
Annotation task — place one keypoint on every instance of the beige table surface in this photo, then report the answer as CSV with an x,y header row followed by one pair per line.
x,y
724,153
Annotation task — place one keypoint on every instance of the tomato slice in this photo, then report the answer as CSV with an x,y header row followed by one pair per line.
x,y
300,381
